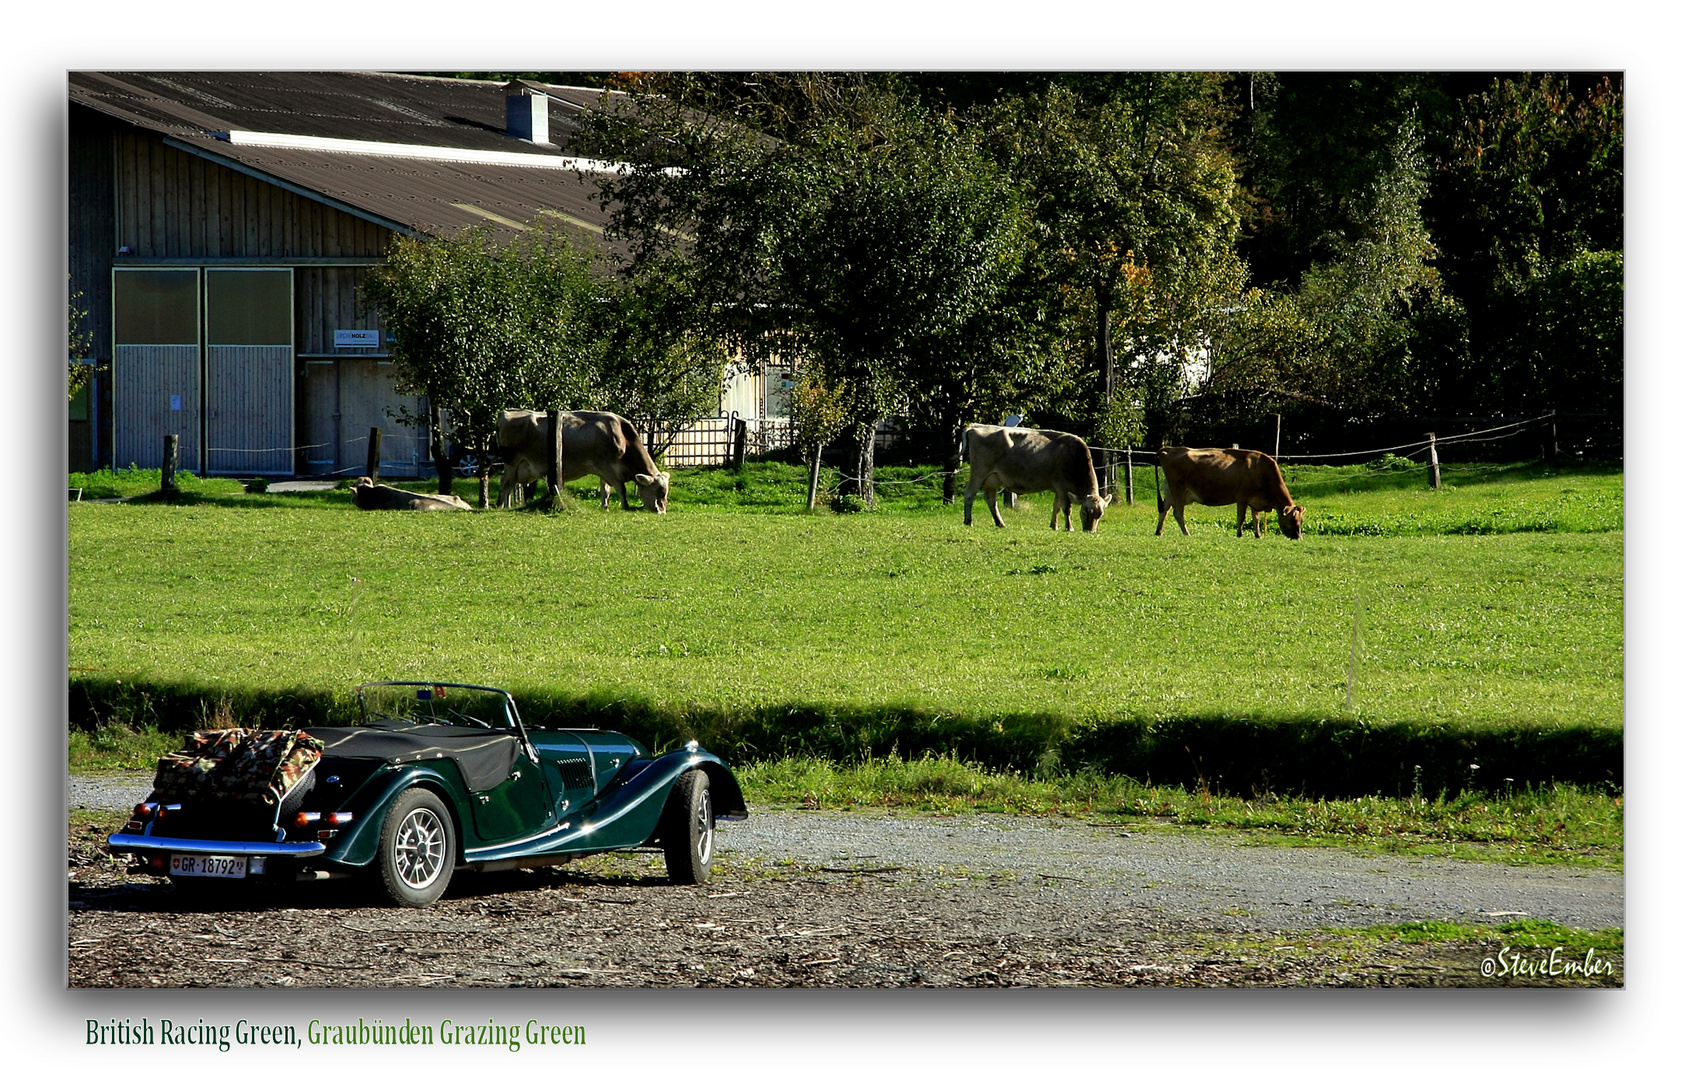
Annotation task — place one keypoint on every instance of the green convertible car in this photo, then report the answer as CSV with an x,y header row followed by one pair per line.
x,y
434,778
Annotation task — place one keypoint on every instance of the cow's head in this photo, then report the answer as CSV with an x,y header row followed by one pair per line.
x,y
1292,521
1092,509
654,491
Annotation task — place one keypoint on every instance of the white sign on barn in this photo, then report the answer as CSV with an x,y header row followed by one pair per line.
x,y
357,339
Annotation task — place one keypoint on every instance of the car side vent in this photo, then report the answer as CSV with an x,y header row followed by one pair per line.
x,y
575,772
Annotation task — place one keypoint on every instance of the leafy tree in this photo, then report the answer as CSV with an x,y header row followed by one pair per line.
x,y
1342,339
1136,216
79,342
1527,204
862,243
657,369
479,328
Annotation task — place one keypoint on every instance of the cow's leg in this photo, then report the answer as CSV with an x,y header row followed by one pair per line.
x,y
1062,498
507,485
992,494
1181,518
1239,520
1162,512
969,500
605,496
1257,523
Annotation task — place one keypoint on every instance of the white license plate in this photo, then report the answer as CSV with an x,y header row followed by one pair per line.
x,y
229,866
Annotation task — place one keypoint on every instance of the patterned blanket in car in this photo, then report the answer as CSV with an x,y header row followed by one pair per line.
x,y
243,764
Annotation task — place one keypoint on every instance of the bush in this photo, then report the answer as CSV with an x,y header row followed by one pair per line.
x,y
847,504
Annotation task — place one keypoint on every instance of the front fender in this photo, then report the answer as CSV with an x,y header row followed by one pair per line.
x,y
628,814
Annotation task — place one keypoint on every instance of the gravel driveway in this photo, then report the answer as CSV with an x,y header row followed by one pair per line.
x,y
834,898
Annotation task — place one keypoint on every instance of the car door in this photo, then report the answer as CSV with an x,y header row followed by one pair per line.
x,y
517,806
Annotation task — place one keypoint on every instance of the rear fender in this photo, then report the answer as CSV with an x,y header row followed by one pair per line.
x,y
356,845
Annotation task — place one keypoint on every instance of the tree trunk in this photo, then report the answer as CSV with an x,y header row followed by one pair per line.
x,y
859,475
437,447
1104,463
484,468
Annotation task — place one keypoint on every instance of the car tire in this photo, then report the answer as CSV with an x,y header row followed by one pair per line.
x,y
415,856
690,833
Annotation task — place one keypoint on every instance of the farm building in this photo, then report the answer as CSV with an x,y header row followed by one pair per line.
x,y
220,224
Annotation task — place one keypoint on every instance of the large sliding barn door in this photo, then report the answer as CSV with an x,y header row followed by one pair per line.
x,y
155,366
250,372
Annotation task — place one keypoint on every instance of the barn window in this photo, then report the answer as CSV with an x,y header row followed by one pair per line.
x,y
156,307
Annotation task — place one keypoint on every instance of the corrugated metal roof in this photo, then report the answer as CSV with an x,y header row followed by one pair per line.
x,y
197,110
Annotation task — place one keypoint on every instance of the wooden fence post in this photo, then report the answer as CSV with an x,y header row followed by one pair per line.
x,y
1553,436
167,474
1433,462
555,459
739,458
1277,436
1128,467
373,458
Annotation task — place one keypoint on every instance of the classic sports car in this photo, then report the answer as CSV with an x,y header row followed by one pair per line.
x,y
435,777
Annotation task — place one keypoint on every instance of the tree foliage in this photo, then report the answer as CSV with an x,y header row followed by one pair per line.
x,y
1136,218
79,342
862,246
478,328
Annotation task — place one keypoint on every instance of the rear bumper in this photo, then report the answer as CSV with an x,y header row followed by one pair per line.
x,y
130,843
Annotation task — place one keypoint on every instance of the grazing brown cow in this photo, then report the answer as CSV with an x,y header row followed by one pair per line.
x,y
1248,478
598,444
369,495
1024,460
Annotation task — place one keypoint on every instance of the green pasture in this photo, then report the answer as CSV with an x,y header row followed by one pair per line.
x,y
1487,618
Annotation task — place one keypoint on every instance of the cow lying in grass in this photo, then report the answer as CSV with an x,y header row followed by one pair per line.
x,y
1248,478
598,444
369,495
1024,460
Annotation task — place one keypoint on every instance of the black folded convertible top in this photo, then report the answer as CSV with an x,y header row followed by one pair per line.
x,y
484,757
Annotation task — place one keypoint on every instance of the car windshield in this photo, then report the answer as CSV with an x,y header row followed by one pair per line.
x,y
401,704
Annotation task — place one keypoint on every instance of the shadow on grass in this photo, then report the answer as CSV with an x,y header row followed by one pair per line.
x,y
1316,756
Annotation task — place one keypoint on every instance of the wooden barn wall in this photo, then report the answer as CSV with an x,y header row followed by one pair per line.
x,y
171,204
90,245
91,226
326,300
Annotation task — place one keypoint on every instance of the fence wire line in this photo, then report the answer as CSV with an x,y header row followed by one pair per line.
x,y
1468,436
1481,435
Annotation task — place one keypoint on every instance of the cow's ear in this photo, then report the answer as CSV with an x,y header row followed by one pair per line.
x,y
645,479
1107,498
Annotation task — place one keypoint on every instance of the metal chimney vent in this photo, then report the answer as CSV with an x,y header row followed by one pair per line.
x,y
525,112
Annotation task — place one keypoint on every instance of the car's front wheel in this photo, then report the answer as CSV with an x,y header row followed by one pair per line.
x,y
417,848
691,831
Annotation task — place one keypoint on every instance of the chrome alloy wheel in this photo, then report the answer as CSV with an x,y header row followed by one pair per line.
x,y
420,848
703,824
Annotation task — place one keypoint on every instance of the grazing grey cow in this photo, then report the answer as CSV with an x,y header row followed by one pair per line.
x,y
369,495
1248,478
598,444
1024,460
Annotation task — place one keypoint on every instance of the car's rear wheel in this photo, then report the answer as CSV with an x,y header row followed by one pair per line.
x,y
690,836
417,849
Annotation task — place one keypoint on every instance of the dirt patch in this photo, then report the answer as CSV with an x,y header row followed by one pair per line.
x,y
613,920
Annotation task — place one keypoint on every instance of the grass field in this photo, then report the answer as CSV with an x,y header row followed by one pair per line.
x,y
898,660
1494,604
